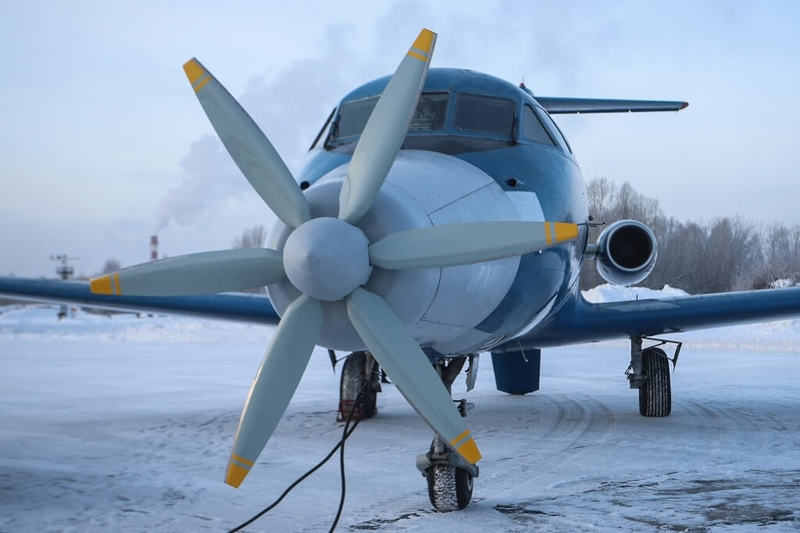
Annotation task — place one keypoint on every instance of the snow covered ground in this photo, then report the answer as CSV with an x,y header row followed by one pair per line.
x,y
125,424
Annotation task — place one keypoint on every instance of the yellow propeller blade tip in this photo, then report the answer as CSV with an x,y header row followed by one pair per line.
x,y
424,42
235,474
105,284
469,451
466,446
194,70
197,74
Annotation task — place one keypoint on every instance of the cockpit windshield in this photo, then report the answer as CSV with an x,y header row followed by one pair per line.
x,y
485,114
430,114
476,122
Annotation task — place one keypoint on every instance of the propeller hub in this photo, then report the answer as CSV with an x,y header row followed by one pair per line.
x,y
327,258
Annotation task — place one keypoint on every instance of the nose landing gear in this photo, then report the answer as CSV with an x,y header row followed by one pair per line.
x,y
450,478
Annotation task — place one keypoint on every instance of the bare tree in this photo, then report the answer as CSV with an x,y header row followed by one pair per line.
x,y
779,256
600,193
251,238
111,265
726,254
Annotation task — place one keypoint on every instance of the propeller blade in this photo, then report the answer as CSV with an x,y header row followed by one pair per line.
x,y
203,273
462,244
409,369
249,147
275,382
385,130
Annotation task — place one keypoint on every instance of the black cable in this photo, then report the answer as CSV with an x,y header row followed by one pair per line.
x,y
341,455
339,445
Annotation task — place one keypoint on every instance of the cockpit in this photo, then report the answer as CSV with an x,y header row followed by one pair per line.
x,y
471,112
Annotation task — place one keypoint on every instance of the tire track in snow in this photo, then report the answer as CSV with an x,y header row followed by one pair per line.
x,y
562,425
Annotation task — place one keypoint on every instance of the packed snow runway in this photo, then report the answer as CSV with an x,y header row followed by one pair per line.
x,y
125,424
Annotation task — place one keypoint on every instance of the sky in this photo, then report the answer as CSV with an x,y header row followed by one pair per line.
x,y
104,143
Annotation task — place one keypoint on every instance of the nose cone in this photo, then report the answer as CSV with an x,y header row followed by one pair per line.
x,y
327,258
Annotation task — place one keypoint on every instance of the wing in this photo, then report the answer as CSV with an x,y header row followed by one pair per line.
x,y
240,307
581,321
557,104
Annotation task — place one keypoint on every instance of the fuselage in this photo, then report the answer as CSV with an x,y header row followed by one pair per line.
x,y
471,126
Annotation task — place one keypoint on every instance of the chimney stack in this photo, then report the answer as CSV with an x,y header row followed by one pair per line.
x,y
153,247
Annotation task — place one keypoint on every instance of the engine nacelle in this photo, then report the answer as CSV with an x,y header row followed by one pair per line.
x,y
626,252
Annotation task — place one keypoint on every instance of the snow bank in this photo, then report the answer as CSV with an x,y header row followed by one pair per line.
x,y
41,321
616,293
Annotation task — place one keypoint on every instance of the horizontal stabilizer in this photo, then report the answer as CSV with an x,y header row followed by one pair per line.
x,y
558,104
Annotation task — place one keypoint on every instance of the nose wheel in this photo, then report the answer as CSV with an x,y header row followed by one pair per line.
x,y
449,487
450,478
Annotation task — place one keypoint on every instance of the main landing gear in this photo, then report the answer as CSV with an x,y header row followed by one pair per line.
x,y
649,372
450,478
360,370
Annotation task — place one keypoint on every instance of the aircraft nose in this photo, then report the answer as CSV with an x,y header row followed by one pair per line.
x,y
440,306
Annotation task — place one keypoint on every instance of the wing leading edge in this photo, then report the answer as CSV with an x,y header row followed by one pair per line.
x,y
581,321
240,307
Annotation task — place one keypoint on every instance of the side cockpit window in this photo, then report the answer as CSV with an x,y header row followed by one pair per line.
x,y
485,114
532,128
556,132
322,136
353,116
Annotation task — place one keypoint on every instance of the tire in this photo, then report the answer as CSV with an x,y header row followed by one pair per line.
x,y
449,488
354,376
655,394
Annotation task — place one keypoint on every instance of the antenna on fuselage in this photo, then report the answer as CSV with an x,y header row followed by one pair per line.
x,y
525,87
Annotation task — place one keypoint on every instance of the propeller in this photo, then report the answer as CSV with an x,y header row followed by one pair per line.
x,y
330,259
203,273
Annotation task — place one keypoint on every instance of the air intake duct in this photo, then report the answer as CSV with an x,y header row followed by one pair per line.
x,y
626,252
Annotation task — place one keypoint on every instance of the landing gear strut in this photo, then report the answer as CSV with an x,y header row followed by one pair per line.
x,y
649,372
450,478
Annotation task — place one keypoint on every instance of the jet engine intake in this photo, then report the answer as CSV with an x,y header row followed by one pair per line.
x,y
626,252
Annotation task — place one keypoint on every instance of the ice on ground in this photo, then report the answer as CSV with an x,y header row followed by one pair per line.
x,y
125,424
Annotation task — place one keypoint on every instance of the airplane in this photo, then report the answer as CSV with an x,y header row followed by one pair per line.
x,y
440,213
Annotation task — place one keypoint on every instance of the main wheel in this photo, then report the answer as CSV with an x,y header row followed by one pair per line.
x,y
655,395
359,371
449,488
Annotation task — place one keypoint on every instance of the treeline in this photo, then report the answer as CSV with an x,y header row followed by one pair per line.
x,y
724,254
